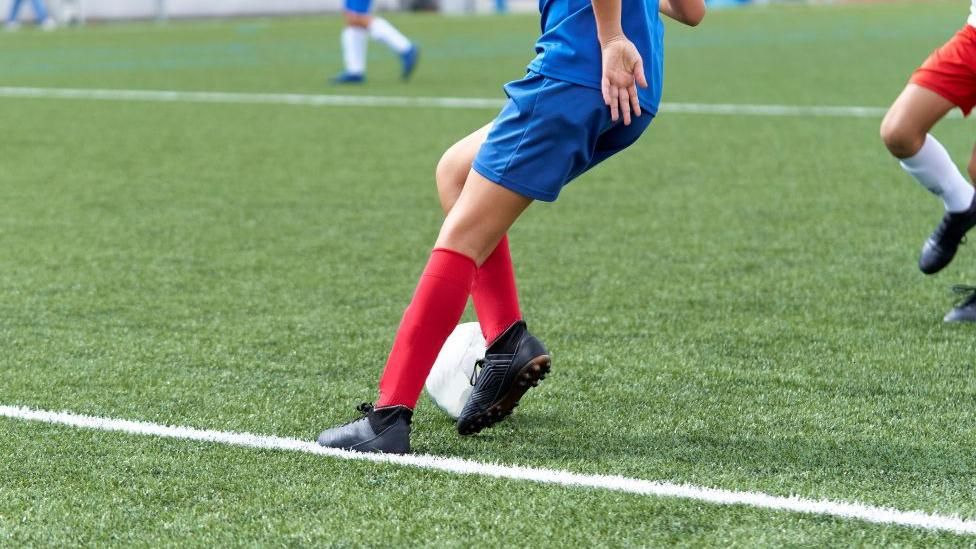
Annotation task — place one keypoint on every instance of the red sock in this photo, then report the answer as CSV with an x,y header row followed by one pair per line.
x,y
434,311
495,296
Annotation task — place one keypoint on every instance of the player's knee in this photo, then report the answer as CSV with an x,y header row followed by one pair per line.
x,y
468,233
901,140
354,19
461,239
450,174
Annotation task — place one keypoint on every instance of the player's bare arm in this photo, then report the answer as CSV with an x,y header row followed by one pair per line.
x,y
623,68
689,12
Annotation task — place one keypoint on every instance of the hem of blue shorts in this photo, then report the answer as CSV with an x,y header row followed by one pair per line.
x,y
499,179
537,68
357,12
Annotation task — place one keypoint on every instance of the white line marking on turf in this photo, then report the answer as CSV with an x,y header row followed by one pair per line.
x,y
251,98
415,102
840,509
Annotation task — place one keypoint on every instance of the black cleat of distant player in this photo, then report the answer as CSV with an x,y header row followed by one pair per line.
x,y
515,362
965,309
385,430
941,247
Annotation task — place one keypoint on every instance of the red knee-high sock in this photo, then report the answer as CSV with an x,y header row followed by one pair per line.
x,y
495,296
435,310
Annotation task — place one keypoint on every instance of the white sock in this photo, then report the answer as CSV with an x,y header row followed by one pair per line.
x,y
936,171
354,43
381,29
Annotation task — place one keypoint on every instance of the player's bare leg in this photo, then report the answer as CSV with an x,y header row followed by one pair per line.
x,y
481,216
913,114
495,294
455,164
905,132
496,301
515,360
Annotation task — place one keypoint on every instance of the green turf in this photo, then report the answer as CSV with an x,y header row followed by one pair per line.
x,y
733,302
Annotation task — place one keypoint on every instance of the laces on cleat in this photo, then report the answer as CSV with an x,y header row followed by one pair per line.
x,y
478,366
364,409
967,295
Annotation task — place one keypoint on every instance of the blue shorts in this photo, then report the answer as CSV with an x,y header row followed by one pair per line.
x,y
359,6
549,133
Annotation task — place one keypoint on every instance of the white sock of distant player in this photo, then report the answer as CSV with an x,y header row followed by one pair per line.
x,y
936,171
381,29
354,43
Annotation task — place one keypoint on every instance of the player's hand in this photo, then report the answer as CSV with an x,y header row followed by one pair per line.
x,y
623,71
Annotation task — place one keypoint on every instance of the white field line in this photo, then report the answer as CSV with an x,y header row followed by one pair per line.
x,y
840,509
164,96
414,102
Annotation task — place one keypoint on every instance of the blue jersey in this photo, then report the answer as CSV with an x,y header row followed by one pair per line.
x,y
568,49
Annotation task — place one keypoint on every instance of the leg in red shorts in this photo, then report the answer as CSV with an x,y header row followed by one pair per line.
x,y
951,70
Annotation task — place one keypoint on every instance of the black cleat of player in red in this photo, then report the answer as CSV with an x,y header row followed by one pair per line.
x,y
513,363
385,430
941,247
965,309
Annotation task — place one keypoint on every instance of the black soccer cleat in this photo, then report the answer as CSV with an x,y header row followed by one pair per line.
x,y
965,309
941,247
513,363
385,430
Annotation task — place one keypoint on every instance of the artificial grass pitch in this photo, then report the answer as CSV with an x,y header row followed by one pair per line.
x,y
732,303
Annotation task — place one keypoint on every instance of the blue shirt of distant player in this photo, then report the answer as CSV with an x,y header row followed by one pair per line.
x,y
568,49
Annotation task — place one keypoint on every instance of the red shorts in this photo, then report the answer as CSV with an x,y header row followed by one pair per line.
x,y
951,70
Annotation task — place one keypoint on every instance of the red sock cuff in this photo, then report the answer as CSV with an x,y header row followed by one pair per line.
x,y
455,254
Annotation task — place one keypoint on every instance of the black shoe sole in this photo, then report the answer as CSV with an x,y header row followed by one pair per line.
x,y
530,376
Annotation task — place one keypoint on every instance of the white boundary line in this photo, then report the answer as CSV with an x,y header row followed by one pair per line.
x,y
165,96
839,509
412,102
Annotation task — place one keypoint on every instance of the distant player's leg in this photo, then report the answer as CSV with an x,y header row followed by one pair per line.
x,y
905,132
381,29
41,14
355,41
12,22
480,218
